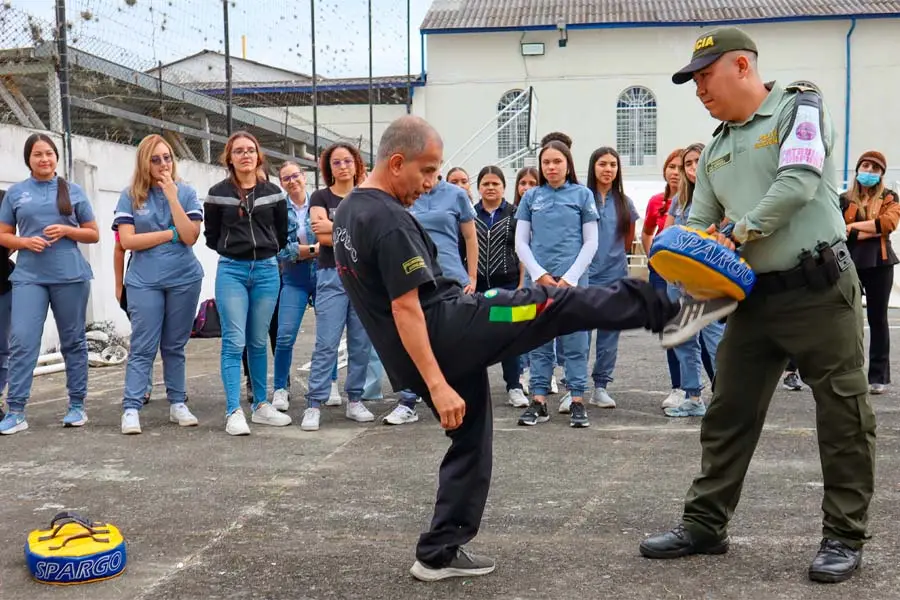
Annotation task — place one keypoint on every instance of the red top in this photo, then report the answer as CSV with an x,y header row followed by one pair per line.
x,y
657,209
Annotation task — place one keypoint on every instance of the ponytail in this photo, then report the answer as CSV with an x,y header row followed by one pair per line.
x,y
63,200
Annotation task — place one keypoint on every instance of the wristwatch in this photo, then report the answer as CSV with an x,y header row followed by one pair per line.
x,y
312,249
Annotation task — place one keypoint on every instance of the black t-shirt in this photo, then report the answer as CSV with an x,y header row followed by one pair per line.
x,y
382,253
328,200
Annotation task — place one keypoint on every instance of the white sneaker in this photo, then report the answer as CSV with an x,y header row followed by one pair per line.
x,y
310,419
131,422
565,404
602,398
674,399
179,413
265,414
525,379
236,424
280,400
517,398
554,388
334,399
401,415
357,411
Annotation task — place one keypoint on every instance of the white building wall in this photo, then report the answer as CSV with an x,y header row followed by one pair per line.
x,y
104,169
577,86
211,68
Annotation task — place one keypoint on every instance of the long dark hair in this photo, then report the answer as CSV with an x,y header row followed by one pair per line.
x,y
623,215
63,200
571,177
522,173
686,188
325,163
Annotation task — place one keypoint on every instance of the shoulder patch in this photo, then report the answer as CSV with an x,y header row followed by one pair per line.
x,y
804,146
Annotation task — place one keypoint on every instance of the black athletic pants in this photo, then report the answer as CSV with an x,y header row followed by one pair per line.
x,y
877,283
470,334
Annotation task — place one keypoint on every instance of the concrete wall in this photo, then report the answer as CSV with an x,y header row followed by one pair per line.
x,y
104,169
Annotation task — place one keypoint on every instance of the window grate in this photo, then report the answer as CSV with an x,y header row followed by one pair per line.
x,y
636,126
512,126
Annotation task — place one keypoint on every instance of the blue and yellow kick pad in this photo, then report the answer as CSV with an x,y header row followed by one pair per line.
x,y
75,550
705,269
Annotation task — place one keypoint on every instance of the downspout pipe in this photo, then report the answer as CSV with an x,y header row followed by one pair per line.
x,y
848,72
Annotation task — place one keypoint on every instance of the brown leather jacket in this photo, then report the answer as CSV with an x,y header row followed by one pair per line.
x,y
886,211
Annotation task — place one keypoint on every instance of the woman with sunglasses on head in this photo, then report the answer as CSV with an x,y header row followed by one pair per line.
x,y
246,224
51,216
158,219
342,168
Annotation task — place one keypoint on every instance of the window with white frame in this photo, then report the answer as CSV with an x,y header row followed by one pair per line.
x,y
512,128
636,126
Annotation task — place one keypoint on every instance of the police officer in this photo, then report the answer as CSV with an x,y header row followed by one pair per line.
x,y
770,171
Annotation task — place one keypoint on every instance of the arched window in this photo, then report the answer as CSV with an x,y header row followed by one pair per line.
x,y
512,128
636,126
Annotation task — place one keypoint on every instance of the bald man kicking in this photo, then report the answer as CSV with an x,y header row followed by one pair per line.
x,y
438,341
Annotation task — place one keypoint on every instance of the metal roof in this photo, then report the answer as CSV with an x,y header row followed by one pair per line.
x,y
449,16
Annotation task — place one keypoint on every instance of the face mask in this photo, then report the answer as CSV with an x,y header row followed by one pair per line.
x,y
868,179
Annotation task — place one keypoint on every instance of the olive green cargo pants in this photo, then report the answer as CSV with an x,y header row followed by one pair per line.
x,y
823,331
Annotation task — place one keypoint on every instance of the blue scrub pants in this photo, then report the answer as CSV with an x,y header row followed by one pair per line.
x,y
572,352
160,319
246,293
607,349
5,316
30,302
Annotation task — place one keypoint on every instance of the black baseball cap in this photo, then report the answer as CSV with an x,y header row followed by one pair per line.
x,y
710,46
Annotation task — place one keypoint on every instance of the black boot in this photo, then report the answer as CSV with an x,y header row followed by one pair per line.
x,y
679,542
834,562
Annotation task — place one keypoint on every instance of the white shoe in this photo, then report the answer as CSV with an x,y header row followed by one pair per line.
x,y
401,415
179,413
280,400
674,399
236,424
357,411
310,419
517,398
131,422
565,404
265,414
554,388
525,379
602,398
334,399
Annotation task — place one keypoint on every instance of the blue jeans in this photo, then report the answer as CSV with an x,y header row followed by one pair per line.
x,y
570,350
607,349
374,376
333,313
5,316
30,302
659,283
160,320
246,293
291,309
690,352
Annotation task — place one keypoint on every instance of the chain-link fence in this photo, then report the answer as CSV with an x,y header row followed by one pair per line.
x,y
160,66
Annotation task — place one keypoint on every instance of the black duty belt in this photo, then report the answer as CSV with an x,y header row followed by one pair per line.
x,y
782,281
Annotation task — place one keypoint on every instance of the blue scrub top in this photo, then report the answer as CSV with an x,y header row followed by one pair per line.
x,y
30,207
556,217
169,264
610,258
440,212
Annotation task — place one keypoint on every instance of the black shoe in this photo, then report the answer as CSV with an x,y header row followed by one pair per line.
x,y
834,562
578,415
693,317
463,564
534,414
679,542
792,382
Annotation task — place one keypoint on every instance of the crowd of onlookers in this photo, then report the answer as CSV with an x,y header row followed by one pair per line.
x,y
276,261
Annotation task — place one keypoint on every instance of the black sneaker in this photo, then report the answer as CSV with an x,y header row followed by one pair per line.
x,y
578,415
463,564
792,382
693,317
534,414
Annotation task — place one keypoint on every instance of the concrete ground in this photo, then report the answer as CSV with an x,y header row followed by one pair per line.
x,y
335,514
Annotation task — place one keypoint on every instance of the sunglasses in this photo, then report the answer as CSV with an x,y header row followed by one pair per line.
x,y
158,160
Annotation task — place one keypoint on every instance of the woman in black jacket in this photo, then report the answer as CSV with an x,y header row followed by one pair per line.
x,y
246,220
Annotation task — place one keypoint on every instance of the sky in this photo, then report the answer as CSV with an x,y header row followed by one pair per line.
x,y
141,33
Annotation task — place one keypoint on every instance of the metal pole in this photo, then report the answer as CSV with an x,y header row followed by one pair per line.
x,y
227,68
371,108
315,94
62,48
408,64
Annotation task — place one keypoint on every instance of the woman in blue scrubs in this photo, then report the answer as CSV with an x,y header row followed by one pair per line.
x,y
51,216
616,234
158,219
556,239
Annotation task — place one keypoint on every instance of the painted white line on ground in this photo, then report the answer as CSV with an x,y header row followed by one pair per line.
x,y
342,357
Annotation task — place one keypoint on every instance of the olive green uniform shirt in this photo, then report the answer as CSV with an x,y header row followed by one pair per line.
x,y
774,177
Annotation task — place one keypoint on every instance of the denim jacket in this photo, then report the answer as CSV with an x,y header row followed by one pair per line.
x,y
294,271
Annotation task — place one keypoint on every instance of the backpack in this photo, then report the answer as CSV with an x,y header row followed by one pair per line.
x,y
207,324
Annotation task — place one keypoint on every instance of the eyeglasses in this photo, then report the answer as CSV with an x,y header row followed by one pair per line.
x,y
244,151
342,163
291,177
158,160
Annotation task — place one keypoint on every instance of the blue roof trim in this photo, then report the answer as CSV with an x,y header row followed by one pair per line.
x,y
308,89
642,24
